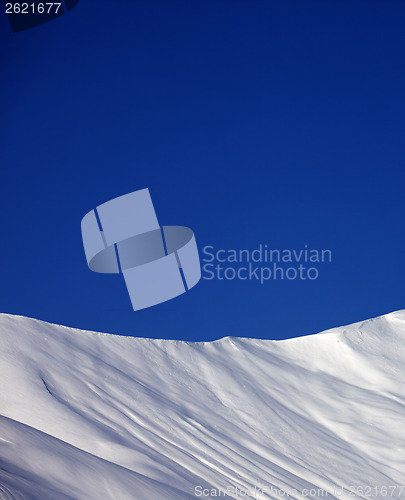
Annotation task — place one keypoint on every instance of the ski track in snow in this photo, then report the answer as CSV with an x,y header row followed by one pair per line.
x,y
88,416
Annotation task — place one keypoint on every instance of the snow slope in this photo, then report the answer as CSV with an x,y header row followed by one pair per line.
x,y
97,416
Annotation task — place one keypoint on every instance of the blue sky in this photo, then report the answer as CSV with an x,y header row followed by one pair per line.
x,y
277,122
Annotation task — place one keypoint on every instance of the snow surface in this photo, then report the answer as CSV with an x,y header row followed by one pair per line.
x,y
98,416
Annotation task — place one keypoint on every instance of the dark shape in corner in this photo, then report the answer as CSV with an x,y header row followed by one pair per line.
x,y
25,15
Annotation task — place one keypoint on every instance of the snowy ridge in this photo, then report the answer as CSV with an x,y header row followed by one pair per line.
x,y
99,416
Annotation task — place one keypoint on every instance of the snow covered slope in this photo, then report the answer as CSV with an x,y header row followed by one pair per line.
x,y
97,416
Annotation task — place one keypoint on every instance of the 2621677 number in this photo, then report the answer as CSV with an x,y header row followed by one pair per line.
x,y
33,8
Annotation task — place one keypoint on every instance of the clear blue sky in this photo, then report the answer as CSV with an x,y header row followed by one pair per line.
x,y
273,122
